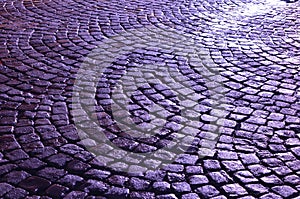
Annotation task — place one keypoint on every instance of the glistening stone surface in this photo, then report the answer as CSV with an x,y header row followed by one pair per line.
x,y
254,45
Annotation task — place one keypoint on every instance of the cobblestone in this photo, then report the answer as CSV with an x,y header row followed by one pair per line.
x,y
207,191
253,46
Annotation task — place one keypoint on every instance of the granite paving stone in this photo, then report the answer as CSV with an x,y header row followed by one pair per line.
x,y
221,78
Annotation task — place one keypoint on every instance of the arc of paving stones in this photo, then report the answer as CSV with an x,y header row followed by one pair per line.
x,y
98,69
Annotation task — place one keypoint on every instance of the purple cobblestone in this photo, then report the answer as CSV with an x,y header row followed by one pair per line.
x,y
254,45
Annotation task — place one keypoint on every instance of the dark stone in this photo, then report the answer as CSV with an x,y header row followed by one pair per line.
x,y
96,187
117,192
7,168
118,180
71,180
59,160
56,191
35,184
76,194
15,177
16,193
31,164
97,174
18,154
43,152
77,166
51,173
5,188
8,142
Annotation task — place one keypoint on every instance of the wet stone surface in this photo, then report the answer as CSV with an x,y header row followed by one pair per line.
x,y
253,46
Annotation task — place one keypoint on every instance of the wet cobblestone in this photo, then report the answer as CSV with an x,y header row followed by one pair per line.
x,y
253,44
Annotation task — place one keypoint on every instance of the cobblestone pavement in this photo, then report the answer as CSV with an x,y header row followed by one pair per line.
x,y
255,47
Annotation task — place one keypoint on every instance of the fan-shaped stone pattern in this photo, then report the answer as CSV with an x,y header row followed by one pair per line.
x,y
254,43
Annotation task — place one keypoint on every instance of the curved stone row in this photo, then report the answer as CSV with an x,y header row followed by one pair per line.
x,y
255,45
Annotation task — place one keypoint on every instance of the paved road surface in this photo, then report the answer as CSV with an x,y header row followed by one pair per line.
x,y
252,48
